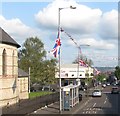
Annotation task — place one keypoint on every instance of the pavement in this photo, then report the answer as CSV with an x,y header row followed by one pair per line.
x,y
54,107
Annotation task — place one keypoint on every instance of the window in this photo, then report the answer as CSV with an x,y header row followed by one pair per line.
x,y
66,74
13,63
72,75
4,66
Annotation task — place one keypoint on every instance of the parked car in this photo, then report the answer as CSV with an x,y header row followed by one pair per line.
x,y
97,93
108,84
99,83
115,90
104,85
48,88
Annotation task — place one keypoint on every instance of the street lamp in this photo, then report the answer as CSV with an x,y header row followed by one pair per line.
x,y
59,9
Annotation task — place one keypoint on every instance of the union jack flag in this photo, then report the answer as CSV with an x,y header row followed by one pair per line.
x,y
82,63
96,71
56,48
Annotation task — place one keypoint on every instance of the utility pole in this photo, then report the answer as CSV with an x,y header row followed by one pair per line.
x,y
29,81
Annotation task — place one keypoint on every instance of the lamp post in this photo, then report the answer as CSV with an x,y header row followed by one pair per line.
x,y
59,9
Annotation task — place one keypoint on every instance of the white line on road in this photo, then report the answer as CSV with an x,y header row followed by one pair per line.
x,y
83,112
82,106
104,102
94,104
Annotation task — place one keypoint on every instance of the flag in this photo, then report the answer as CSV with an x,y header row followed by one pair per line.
x,y
96,71
82,63
56,48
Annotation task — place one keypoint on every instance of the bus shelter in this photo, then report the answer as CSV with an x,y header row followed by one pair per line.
x,y
70,96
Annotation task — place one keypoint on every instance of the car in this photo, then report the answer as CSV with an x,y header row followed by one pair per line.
x,y
104,85
97,93
48,88
115,90
108,84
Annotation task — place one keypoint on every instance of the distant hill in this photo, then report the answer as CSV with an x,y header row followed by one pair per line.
x,y
105,69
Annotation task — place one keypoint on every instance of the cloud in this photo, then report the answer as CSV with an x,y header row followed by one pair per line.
x,y
17,29
108,26
95,43
83,20
77,19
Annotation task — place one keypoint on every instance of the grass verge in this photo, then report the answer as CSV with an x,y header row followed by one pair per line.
x,y
38,94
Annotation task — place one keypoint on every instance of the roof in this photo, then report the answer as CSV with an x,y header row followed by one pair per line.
x,y
22,73
71,66
70,86
6,39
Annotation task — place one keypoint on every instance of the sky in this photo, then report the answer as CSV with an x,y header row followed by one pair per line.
x,y
93,23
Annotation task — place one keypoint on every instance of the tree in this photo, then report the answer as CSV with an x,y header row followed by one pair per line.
x,y
101,77
32,55
49,72
117,72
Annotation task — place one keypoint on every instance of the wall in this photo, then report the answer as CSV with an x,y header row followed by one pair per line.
x,y
71,71
8,82
23,87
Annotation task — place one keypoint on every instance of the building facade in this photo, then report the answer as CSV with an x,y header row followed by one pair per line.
x,y
74,71
71,72
9,88
23,84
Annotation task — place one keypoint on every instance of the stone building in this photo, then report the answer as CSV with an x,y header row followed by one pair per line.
x,y
23,84
9,88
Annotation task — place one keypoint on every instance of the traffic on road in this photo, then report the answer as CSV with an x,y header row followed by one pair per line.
x,y
100,100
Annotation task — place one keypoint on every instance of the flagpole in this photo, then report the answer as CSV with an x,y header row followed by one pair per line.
x,y
59,29
59,60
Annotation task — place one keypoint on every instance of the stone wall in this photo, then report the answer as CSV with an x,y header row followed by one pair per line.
x,y
23,87
8,82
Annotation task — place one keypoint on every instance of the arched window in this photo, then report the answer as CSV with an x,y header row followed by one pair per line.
x,y
13,64
4,62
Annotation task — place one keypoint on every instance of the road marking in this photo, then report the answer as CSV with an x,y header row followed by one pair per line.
x,y
87,109
82,106
86,112
94,104
104,102
35,111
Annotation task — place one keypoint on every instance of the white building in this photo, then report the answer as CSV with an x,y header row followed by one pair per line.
x,y
70,71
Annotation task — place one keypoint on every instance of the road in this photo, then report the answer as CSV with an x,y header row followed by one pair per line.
x,y
107,104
